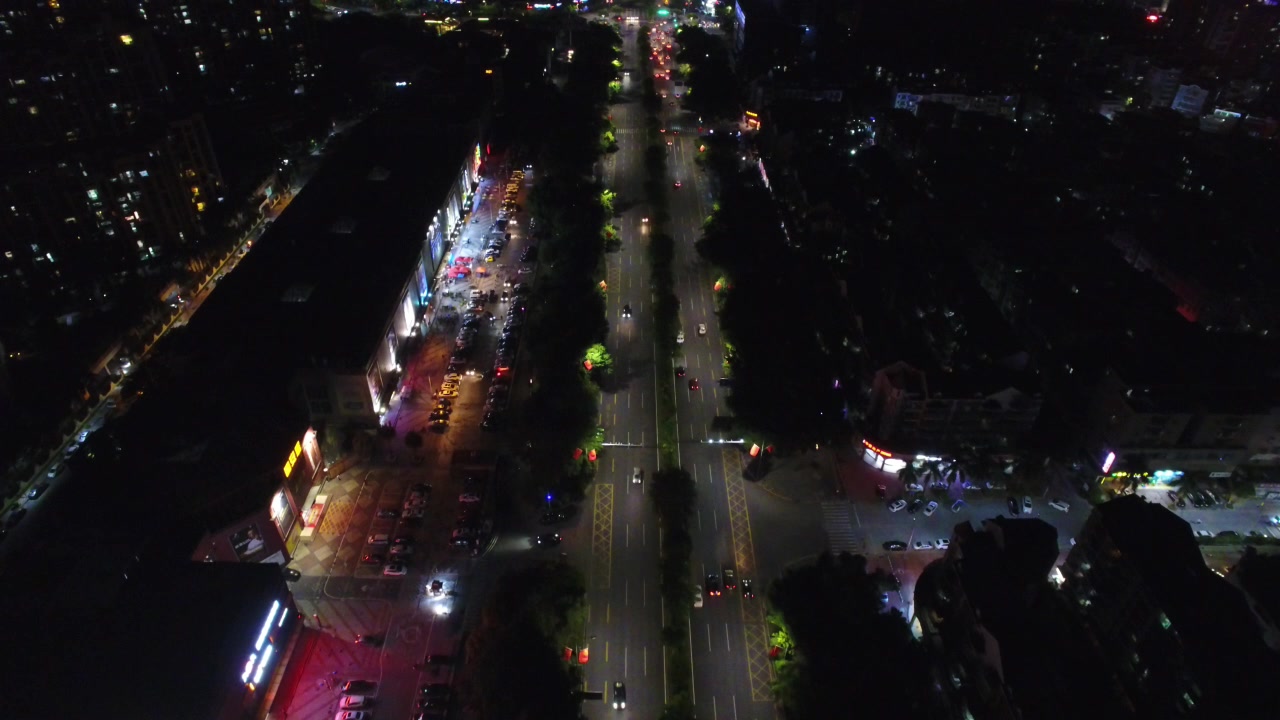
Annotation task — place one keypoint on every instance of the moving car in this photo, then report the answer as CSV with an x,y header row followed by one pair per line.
x,y
626,311
915,505
680,337
1013,504
637,475
292,575
697,596
548,539
619,696
693,384
702,329
1058,504
713,585
930,508
680,371
747,591
957,505
730,578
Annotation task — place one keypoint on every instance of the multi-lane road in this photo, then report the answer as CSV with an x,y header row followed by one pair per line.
x,y
727,635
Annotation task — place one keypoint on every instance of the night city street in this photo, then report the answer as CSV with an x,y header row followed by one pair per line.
x,y
719,359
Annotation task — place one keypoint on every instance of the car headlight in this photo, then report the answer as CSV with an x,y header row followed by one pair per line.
x,y
624,704
615,704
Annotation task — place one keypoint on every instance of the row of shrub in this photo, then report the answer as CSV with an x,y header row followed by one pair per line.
x,y
566,127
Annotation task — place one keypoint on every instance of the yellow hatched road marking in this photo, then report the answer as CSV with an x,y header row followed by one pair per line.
x,y
602,537
754,629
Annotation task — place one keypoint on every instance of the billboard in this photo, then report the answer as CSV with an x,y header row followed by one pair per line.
x,y
248,543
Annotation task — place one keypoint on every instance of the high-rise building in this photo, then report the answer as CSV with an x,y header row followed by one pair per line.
x,y
1181,639
79,223
108,168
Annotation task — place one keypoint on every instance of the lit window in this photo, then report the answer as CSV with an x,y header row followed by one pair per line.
x,y
126,39
33,110
199,207
93,195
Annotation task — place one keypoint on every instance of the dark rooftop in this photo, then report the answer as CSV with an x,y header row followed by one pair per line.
x,y
1210,616
169,645
320,284
1097,312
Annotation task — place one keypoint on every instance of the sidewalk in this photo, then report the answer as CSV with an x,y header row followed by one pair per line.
x,y
321,663
813,476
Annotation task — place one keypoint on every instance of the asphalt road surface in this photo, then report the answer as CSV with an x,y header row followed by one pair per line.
x,y
727,635
625,610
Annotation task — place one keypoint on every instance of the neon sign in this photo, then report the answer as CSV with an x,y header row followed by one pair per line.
x,y
248,668
293,458
266,626
262,664
1108,462
876,450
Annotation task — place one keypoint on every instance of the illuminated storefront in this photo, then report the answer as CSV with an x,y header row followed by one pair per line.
x,y
270,535
881,459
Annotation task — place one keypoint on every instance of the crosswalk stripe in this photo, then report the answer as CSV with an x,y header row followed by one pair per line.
x,y
841,536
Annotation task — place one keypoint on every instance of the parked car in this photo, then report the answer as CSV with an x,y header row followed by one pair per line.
x,y
897,505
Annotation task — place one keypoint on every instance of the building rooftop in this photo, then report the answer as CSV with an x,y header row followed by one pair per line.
x,y
1097,312
318,287
171,645
1210,616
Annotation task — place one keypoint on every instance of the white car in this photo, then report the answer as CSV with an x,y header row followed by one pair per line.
x,y
897,505
1204,534
930,508
702,328
1059,505
1026,504
680,338
942,543
351,702
697,596
352,715
922,545
637,475
395,570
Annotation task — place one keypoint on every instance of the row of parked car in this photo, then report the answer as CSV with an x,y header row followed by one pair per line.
x,y
392,550
469,527
508,343
357,697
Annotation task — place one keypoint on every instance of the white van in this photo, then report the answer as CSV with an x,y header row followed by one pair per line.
x,y
379,539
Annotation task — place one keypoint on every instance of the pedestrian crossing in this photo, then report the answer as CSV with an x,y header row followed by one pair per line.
x,y
841,537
